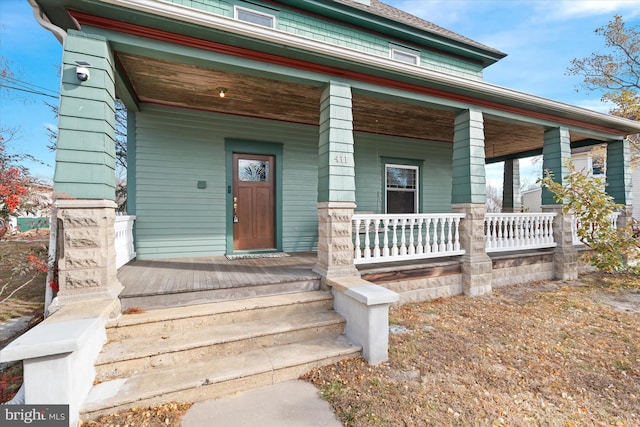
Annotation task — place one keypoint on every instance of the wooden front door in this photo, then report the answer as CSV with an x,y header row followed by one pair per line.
x,y
253,202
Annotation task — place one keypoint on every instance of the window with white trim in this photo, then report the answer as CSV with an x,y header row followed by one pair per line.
x,y
254,17
404,54
401,188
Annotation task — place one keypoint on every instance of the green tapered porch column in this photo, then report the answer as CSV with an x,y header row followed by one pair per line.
x,y
619,182
336,183
511,199
556,152
619,172
84,180
469,197
85,149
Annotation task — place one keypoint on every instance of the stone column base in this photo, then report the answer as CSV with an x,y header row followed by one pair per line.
x,y
565,256
86,252
476,275
476,264
335,247
626,217
565,264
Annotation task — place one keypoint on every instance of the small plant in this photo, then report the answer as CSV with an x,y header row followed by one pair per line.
x,y
332,389
10,381
585,197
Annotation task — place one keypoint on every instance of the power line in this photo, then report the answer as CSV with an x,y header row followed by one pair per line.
x,y
27,84
20,85
29,91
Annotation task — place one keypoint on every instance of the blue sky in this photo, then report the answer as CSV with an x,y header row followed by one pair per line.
x,y
540,37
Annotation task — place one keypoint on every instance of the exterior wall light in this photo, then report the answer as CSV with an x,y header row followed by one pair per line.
x,y
82,70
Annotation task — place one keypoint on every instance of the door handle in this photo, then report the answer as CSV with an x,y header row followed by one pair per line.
x,y
235,209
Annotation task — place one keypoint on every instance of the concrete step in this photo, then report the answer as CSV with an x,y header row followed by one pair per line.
x,y
207,351
165,321
126,357
217,377
203,296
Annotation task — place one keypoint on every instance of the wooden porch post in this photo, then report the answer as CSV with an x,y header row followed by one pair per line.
x,y
556,151
336,183
619,182
84,180
469,197
511,201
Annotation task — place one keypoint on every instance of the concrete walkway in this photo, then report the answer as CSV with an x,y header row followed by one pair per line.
x,y
291,404
12,328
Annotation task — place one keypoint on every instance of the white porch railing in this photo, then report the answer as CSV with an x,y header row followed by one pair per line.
x,y
388,238
125,250
518,231
575,223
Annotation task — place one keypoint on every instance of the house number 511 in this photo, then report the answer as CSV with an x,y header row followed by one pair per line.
x,y
340,159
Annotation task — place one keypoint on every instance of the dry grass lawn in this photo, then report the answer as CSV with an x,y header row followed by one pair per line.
x,y
548,354
22,290
544,354
21,286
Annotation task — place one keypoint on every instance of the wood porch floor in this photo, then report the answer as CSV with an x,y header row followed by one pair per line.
x,y
180,275
177,282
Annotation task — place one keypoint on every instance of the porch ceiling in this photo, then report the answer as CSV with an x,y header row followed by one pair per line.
x,y
182,85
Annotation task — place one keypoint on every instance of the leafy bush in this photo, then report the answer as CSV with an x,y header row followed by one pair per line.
x,y
585,197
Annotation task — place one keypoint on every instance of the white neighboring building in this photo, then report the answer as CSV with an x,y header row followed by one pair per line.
x,y
635,186
583,162
532,200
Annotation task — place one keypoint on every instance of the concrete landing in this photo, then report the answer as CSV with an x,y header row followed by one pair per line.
x,y
292,403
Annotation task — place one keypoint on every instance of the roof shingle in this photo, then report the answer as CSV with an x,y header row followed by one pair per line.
x,y
389,12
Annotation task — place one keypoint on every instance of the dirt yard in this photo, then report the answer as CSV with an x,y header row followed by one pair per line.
x,y
551,353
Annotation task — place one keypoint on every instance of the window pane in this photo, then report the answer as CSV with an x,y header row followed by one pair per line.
x,y
255,18
253,170
401,188
401,178
401,202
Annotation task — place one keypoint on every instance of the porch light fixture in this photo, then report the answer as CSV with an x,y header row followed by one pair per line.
x,y
222,91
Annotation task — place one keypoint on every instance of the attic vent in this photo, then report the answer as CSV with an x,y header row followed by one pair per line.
x,y
255,17
364,2
404,54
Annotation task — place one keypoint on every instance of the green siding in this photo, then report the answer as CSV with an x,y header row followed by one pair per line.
x,y
175,148
299,188
212,6
331,32
435,182
174,218
85,155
